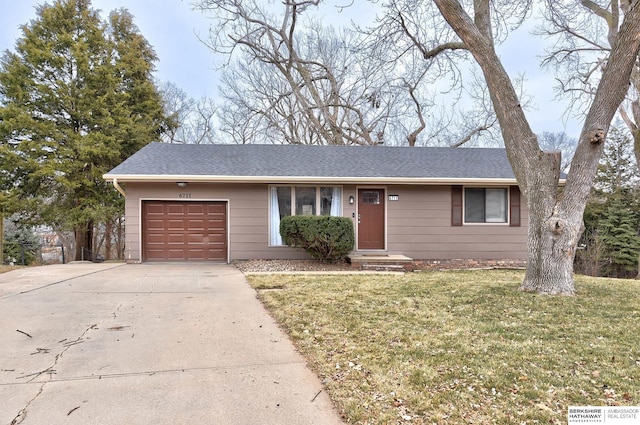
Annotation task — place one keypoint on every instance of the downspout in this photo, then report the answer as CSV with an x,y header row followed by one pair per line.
x,y
118,187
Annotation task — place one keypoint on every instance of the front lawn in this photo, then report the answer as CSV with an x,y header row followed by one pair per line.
x,y
4,269
461,347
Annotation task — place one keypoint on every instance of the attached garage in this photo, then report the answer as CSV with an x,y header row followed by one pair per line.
x,y
184,231
214,202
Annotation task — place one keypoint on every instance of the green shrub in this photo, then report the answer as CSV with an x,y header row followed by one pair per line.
x,y
327,239
20,244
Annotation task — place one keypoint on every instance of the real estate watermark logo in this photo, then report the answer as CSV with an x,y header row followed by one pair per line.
x,y
612,415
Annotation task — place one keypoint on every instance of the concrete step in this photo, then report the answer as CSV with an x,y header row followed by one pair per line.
x,y
382,262
383,267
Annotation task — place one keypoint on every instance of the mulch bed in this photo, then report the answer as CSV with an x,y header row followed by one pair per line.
x,y
249,266
290,265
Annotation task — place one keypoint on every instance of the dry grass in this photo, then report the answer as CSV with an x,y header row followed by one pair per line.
x,y
4,269
461,347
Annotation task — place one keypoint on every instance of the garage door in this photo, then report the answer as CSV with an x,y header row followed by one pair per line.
x,y
184,231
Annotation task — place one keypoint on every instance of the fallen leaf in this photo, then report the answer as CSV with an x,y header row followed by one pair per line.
x,y
544,407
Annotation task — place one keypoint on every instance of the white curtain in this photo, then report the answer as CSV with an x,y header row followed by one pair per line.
x,y
496,206
336,202
274,224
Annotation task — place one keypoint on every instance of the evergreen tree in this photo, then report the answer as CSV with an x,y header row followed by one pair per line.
x,y
611,216
619,235
617,169
76,98
20,243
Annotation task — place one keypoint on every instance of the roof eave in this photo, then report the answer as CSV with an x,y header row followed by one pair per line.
x,y
147,178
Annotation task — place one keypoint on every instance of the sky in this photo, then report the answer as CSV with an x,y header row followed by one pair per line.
x,y
173,28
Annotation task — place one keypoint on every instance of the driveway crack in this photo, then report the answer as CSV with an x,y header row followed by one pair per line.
x,y
114,315
22,414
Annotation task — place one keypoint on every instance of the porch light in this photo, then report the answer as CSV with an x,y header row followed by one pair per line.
x,y
352,200
182,184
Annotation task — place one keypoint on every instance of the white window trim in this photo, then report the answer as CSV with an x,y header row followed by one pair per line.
x,y
293,202
464,206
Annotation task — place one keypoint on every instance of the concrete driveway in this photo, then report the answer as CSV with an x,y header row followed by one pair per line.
x,y
147,344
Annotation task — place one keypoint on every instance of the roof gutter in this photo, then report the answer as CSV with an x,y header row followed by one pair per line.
x,y
118,187
141,178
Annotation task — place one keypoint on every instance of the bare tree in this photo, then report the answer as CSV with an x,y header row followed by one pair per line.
x,y
585,32
431,64
194,120
260,107
559,142
555,221
300,81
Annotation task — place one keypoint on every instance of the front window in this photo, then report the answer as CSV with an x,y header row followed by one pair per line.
x,y
305,200
301,200
485,205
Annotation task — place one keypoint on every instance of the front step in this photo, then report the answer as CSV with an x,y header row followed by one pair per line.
x,y
382,262
383,267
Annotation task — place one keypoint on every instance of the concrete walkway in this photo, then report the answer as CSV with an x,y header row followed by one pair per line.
x,y
147,344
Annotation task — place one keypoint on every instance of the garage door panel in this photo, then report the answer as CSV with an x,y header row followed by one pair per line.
x,y
196,254
155,223
155,239
175,254
184,231
174,208
195,224
176,239
216,238
155,209
197,238
196,209
176,224
156,253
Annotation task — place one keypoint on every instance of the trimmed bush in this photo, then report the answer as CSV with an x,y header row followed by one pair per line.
x,y
328,239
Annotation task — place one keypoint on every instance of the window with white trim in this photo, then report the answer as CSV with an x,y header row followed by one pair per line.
x,y
300,200
485,205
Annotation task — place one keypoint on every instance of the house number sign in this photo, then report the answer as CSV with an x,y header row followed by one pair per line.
x,y
184,195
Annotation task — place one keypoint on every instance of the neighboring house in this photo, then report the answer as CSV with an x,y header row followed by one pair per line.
x,y
225,202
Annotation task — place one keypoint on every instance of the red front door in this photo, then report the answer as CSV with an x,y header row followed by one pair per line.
x,y
370,218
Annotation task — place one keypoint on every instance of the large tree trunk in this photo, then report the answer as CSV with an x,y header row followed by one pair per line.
x,y
553,232
551,250
84,238
555,220
120,242
108,235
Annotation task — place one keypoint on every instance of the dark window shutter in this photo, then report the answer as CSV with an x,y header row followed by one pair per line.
x,y
514,206
456,205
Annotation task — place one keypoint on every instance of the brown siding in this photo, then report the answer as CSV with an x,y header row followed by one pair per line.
x,y
420,226
418,223
247,220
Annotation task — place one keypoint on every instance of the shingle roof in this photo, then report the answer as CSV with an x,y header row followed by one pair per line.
x,y
288,161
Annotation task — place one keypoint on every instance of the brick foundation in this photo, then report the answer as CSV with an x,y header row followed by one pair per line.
x,y
468,264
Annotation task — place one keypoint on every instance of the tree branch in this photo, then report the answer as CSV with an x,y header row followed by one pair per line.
x,y
472,133
428,54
